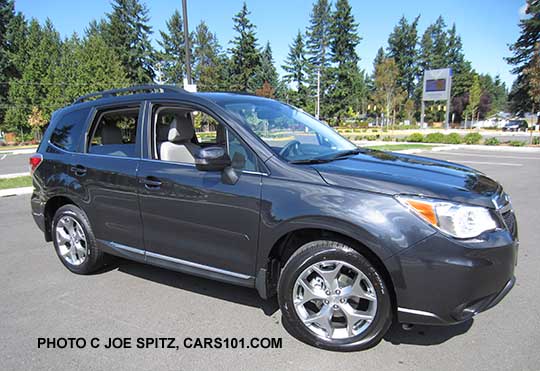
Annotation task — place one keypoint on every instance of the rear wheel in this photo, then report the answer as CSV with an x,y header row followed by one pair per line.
x,y
332,297
74,241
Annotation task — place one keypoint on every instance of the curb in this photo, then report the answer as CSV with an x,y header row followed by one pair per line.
x,y
13,175
21,151
16,191
448,147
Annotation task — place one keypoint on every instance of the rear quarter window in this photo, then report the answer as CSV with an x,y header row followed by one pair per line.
x,y
68,131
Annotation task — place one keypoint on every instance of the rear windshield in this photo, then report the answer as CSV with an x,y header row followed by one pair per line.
x,y
67,132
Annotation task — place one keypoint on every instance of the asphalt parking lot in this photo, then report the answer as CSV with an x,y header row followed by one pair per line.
x,y
13,163
40,298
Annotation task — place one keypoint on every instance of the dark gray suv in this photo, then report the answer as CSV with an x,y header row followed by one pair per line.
x,y
254,192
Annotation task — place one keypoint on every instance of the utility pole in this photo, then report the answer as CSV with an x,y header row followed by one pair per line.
x,y
186,43
317,114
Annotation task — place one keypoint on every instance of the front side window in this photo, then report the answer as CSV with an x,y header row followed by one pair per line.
x,y
180,133
289,132
114,133
67,133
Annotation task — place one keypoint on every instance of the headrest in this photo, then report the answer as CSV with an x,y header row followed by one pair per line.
x,y
111,134
162,132
181,128
221,135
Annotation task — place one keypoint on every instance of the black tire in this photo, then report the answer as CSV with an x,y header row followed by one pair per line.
x,y
319,251
95,258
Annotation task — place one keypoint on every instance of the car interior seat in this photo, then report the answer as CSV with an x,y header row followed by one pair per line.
x,y
179,146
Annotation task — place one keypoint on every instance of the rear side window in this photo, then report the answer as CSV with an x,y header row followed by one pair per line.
x,y
115,133
67,133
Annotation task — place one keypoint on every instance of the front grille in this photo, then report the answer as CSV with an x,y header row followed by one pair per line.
x,y
510,221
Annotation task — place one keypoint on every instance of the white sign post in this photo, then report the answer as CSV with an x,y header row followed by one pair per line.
x,y
437,85
192,88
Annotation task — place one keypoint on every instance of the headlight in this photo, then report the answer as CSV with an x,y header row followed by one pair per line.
x,y
460,221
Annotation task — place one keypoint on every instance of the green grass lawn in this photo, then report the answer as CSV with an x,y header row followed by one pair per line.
x,y
400,147
21,181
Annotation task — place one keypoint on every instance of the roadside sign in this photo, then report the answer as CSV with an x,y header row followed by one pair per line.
x,y
437,84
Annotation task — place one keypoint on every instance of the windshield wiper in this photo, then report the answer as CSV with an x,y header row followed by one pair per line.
x,y
310,161
328,158
341,154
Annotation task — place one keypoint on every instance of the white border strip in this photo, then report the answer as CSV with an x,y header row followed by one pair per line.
x,y
16,191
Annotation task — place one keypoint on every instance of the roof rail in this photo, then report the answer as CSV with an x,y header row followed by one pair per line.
x,y
131,89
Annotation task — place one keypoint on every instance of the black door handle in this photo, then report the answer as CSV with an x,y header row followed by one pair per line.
x,y
78,170
151,182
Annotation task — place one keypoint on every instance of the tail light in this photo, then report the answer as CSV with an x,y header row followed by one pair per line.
x,y
34,161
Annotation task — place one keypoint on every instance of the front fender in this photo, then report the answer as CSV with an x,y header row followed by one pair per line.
x,y
377,221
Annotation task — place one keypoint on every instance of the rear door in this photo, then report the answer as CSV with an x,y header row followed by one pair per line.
x,y
104,177
190,217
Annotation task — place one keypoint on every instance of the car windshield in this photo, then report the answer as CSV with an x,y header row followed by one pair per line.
x,y
289,132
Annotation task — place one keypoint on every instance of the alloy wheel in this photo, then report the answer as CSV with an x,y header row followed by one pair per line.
x,y
71,240
335,300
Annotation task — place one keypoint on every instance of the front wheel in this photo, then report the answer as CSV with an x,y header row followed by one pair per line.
x,y
334,298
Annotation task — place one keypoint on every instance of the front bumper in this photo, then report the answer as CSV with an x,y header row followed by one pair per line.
x,y
443,281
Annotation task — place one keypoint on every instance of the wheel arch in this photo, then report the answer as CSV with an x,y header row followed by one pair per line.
x,y
292,240
52,205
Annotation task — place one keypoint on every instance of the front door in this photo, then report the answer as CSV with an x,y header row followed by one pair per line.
x,y
191,217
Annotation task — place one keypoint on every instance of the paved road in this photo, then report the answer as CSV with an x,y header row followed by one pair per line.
x,y
13,163
41,298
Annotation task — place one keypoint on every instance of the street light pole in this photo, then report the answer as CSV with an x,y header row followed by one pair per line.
x,y
318,93
186,43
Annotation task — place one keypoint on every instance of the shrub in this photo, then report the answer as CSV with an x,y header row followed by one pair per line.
x,y
492,141
453,138
536,141
387,139
472,138
415,138
434,138
517,143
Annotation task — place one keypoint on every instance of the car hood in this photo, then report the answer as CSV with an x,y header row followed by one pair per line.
x,y
393,173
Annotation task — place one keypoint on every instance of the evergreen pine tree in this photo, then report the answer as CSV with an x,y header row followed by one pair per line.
x,y
209,62
245,60
379,58
402,47
268,71
128,32
526,50
7,14
318,48
43,50
172,57
344,39
296,68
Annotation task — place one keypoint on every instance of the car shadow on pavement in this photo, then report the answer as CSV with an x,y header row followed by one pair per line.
x,y
216,289
425,335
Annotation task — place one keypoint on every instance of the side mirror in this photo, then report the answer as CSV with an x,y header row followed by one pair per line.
x,y
212,159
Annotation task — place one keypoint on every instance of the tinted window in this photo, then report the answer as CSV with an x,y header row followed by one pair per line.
x,y
67,132
115,133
